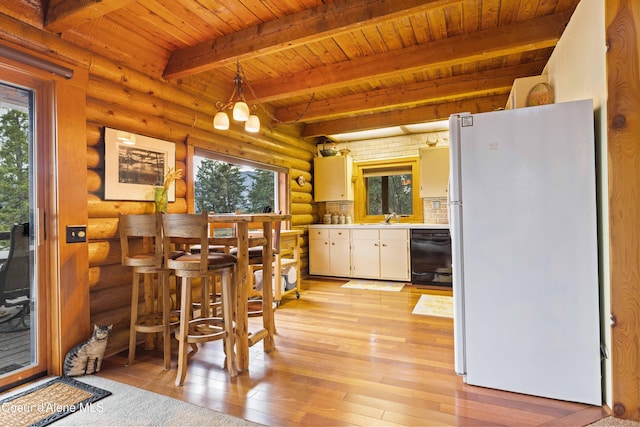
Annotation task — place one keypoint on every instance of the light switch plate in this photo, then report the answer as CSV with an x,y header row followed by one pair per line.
x,y
76,233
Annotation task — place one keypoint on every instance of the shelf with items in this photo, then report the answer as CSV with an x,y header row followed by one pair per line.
x,y
289,257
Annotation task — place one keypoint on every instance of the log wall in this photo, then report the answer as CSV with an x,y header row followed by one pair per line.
x,y
168,114
123,98
127,99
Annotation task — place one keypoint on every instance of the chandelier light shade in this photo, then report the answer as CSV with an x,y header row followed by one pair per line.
x,y
242,112
221,121
252,124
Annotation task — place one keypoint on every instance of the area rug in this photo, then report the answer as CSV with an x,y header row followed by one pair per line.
x,y
132,406
374,285
47,402
434,305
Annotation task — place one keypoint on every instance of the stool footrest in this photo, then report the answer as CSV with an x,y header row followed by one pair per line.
x,y
256,337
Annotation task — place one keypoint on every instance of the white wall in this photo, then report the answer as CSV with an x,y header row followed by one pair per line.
x,y
577,70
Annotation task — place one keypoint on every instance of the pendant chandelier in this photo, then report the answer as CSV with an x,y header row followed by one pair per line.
x,y
242,112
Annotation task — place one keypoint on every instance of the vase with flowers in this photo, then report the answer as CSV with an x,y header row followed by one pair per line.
x,y
161,194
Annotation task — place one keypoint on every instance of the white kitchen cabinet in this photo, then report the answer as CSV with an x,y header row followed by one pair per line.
x,y
395,261
380,253
434,172
329,252
365,253
332,178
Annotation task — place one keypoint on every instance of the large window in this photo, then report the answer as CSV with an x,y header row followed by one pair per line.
x,y
384,187
225,184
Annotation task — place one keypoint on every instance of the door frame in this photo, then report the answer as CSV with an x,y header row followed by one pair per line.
x,y
61,137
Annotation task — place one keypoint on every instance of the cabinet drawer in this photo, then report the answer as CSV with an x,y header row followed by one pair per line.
x,y
318,233
395,234
365,234
339,234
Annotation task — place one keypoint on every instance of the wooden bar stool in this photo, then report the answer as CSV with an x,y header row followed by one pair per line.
x,y
203,265
141,248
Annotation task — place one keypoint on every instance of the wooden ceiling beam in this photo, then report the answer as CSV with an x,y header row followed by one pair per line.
x,y
467,85
533,34
67,14
425,113
324,21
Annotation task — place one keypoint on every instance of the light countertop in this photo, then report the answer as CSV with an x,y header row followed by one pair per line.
x,y
394,224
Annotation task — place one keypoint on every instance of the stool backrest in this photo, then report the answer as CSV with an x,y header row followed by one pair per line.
x,y
146,226
187,228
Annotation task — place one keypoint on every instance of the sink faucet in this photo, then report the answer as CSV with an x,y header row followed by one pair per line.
x,y
390,216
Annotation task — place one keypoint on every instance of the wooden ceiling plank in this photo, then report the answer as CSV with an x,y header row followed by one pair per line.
x,y
324,21
355,45
67,14
375,39
471,15
534,34
402,117
490,13
508,11
327,51
143,58
169,18
420,25
389,33
473,84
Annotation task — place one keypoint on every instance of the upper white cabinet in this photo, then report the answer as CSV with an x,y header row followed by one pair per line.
x,y
332,178
520,90
434,171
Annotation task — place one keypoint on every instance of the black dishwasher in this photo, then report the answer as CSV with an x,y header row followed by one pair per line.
x,y
431,257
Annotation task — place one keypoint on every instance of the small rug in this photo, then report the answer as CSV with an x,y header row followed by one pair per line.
x,y
47,402
374,285
434,305
130,406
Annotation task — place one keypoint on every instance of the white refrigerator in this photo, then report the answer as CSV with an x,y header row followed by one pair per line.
x,y
524,242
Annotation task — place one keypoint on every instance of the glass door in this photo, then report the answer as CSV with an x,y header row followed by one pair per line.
x,y
21,355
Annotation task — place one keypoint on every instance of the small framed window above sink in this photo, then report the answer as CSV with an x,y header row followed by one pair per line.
x,y
387,186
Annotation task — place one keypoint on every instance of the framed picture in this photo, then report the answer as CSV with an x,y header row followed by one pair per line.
x,y
135,164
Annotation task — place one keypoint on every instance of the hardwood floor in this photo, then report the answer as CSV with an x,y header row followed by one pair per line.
x,y
348,357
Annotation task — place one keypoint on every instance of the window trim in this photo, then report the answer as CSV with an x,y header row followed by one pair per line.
x,y
360,195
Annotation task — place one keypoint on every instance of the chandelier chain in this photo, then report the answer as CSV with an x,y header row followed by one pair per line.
x,y
245,80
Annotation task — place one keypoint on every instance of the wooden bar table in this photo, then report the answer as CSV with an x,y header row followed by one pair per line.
x,y
244,339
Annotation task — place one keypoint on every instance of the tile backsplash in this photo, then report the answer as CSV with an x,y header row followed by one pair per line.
x,y
340,208
435,210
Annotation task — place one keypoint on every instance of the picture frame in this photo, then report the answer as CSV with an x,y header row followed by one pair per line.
x,y
135,164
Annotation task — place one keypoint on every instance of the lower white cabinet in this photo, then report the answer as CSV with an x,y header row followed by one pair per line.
x,y
359,252
329,252
380,253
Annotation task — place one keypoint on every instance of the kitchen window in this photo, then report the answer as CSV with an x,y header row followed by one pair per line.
x,y
387,186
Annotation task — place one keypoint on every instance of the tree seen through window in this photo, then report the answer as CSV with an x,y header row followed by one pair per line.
x,y
223,187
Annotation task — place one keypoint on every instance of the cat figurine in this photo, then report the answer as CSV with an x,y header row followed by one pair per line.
x,y
86,357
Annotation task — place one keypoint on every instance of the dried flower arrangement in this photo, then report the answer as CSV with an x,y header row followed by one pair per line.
x,y
161,194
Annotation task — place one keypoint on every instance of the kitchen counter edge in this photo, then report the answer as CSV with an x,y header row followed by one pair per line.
x,y
384,226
